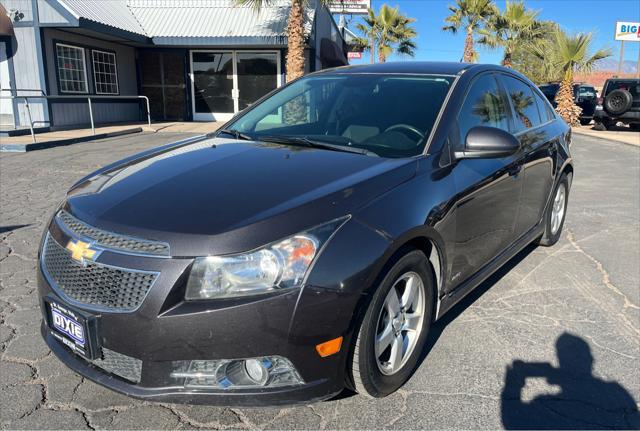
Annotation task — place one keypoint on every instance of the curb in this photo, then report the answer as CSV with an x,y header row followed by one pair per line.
x,y
23,148
606,138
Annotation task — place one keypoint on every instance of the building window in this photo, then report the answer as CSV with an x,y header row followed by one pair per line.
x,y
105,72
72,71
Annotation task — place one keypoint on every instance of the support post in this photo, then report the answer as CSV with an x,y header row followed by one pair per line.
x,y
93,127
148,111
33,134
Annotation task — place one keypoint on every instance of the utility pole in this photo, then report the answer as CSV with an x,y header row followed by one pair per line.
x,y
621,63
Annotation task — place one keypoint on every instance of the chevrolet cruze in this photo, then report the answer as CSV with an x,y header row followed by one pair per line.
x,y
309,244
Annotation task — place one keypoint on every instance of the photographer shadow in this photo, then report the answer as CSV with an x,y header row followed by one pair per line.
x,y
578,400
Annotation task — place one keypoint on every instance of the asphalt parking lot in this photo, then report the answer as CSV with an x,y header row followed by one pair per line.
x,y
552,341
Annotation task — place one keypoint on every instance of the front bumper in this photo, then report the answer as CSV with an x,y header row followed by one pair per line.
x,y
309,392
151,342
600,115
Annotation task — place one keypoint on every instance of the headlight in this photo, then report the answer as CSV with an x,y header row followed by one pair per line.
x,y
277,266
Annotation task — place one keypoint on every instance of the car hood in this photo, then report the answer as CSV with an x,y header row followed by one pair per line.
x,y
220,196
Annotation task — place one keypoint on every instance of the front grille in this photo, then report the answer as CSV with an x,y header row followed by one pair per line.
x,y
93,284
121,365
112,240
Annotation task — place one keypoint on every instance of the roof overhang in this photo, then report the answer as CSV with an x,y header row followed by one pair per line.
x,y
240,41
112,31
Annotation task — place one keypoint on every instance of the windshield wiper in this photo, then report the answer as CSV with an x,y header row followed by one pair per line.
x,y
312,143
236,134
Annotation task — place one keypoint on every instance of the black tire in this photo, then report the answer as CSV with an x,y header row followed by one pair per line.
x,y
618,102
549,237
585,121
366,377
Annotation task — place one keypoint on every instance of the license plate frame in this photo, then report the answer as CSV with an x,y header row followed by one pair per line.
x,y
78,330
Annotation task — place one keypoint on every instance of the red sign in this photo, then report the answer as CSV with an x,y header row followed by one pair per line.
x,y
352,55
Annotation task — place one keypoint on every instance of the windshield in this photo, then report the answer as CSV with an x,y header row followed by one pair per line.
x,y
389,115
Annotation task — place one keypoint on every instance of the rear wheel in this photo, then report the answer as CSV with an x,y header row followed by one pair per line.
x,y
392,334
556,212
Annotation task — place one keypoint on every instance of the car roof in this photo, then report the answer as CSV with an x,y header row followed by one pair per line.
x,y
623,79
413,67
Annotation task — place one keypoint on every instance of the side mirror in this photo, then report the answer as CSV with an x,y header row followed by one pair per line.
x,y
488,143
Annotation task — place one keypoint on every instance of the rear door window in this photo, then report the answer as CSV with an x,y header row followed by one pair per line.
x,y
484,105
546,111
523,103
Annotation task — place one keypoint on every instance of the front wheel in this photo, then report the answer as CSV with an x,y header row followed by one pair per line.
x,y
394,329
555,215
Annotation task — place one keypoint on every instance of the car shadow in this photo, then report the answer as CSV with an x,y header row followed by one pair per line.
x,y
438,327
4,229
574,398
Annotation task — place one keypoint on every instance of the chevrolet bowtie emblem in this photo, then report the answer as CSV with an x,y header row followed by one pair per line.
x,y
81,250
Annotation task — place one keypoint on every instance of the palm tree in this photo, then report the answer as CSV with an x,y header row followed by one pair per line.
x,y
295,33
530,57
570,54
470,15
390,31
514,27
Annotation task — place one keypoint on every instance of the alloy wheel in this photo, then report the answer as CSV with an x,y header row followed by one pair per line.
x,y
557,212
399,323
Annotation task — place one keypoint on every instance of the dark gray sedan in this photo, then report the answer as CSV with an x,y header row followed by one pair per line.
x,y
309,245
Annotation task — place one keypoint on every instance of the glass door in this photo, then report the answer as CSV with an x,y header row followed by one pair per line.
x,y
213,85
225,82
258,74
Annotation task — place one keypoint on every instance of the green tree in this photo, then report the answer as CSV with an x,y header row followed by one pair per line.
x,y
531,58
295,34
390,31
470,16
570,54
514,27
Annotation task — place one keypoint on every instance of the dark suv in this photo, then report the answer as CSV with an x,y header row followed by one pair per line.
x,y
619,102
584,95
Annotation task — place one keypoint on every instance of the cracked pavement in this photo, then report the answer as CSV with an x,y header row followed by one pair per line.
x,y
551,341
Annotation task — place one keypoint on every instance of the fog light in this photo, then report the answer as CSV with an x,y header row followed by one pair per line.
x,y
269,371
256,371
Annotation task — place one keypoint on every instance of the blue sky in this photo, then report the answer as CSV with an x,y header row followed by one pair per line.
x,y
597,16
